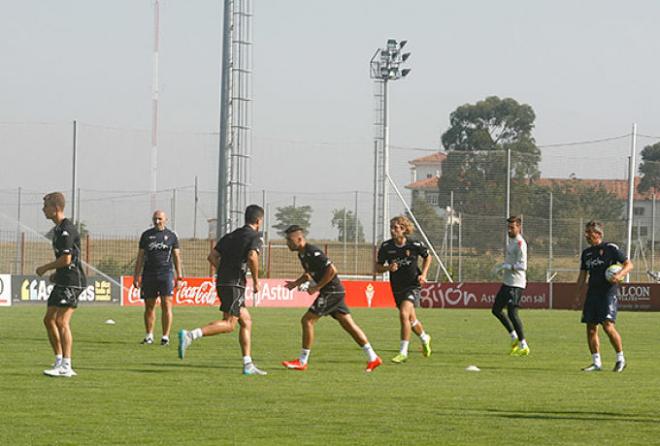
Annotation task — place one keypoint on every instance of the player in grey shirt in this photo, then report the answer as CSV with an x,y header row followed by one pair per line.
x,y
513,284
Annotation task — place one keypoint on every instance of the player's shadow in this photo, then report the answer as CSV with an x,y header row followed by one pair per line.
x,y
571,415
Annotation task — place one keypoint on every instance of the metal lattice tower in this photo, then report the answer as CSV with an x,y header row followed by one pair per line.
x,y
235,115
379,161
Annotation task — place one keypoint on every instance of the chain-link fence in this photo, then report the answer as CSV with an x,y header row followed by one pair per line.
x,y
459,199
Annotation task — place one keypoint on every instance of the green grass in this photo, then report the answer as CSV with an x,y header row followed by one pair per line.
x,y
131,394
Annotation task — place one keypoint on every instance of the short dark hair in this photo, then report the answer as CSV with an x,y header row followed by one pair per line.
x,y
293,228
253,213
514,219
56,199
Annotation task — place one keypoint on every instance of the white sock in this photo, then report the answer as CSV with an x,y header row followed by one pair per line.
x,y
596,359
619,357
196,333
165,338
424,337
404,347
149,336
371,354
523,343
66,363
513,335
304,355
58,360
247,360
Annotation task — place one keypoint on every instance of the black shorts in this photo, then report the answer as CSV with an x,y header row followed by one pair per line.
x,y
232,299
159,286
508,295
599,308
64,296
329,303
409,295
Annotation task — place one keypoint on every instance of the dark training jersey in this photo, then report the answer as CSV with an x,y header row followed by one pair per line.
x,y
158,247
595,260
66,241
234,249
407,257
315,262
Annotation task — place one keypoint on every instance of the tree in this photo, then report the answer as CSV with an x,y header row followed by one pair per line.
x,y
432,224
292,215
476,142
345,222
650,169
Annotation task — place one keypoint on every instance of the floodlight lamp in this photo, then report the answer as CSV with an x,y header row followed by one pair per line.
x,y
402,43
384,72
405,72
393,73
405,57
391,44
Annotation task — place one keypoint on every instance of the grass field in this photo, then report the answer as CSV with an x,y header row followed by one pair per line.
x,y
130,394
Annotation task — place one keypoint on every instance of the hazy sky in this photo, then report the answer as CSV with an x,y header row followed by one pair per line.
x,y
589,69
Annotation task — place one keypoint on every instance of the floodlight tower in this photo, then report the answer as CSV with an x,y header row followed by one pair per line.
x,y
235,115
385,67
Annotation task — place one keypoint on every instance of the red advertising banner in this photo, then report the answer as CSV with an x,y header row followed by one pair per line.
x,y
478,295
632,296
370,294
200,291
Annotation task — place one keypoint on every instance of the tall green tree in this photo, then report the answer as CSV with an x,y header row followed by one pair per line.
x,y
292,215
476,143
650,169
346,223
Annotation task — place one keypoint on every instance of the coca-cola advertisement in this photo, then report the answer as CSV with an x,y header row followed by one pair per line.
x,y
200,291
478,295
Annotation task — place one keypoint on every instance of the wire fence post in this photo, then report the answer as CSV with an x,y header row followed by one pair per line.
x,y
549,273
18,232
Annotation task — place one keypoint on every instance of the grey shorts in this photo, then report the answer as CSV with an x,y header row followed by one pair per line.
x,y
232,299
330,303
409,295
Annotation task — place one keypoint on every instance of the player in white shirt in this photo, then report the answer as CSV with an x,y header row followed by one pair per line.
x,y
513,284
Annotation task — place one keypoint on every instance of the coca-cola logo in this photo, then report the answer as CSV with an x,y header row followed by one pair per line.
x,y
202,294
133,295
453,296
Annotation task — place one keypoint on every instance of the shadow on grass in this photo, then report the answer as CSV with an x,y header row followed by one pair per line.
x,y
571,415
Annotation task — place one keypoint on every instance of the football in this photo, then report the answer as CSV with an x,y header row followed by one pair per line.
x,y
612,270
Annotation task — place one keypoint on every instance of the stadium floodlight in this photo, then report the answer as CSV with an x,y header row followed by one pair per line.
x,y
385,66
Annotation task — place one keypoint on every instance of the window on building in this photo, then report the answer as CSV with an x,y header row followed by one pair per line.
x,y
643,231
432,199
638,211
429,175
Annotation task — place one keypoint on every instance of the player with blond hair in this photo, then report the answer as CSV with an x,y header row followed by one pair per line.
x,y
400,257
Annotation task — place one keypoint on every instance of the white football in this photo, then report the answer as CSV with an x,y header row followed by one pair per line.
x,y
612,270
